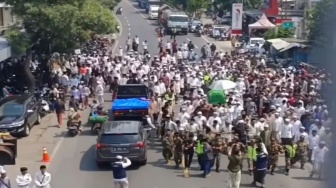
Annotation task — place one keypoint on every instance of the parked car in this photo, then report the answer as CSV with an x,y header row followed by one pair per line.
x,y
126,138
19,113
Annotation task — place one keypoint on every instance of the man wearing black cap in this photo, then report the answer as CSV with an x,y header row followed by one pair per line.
x,y
42,178
24,179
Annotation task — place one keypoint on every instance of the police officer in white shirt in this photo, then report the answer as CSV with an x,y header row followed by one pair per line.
x,y
42,178
24,179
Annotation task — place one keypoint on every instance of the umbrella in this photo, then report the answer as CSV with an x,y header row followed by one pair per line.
x,y
222,85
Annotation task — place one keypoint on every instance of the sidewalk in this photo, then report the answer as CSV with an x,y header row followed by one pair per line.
x,y
47,135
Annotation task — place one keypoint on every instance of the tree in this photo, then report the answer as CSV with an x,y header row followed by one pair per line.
x,y
196,7
278,32
56,25
317,20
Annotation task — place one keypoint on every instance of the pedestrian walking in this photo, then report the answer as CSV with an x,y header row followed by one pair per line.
x,y
173,33
119,172
260,166
43,178
59,109
24,179
4,180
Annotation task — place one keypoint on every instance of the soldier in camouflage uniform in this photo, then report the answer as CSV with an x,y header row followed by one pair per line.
x,y
167,144
217,145
178,149
301,152
274,150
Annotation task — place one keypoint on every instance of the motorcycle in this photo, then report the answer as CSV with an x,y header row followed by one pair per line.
x,y
73,129
45,108
198,32
96,122
119,10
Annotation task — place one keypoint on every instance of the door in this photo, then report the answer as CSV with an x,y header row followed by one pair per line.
x,y
33,108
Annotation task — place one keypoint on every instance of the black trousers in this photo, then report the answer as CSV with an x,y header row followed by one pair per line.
x,y
188,157
286,141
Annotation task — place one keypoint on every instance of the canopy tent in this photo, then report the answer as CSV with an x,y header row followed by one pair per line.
x,y
262,23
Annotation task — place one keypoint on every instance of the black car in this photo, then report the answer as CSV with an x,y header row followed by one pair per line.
x,y
126,138
19,113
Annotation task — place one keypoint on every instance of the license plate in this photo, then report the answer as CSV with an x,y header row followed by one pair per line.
x,y
119,150
72,127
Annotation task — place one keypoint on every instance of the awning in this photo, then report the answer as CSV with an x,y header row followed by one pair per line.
x,y
279,44
5,49
290,46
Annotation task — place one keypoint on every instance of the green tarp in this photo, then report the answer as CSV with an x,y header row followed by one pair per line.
x,y
216,97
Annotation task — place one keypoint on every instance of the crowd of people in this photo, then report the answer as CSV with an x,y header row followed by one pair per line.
x,y
269,112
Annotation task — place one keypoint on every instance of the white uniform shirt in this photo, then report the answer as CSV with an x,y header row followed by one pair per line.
x,y
42,180
23,181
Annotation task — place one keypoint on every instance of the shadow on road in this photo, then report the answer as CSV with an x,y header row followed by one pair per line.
x,y
160,164
88,162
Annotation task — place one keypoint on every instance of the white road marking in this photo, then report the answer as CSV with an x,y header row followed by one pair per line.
x,y
194,44
57,147
206,40
129,24
138,11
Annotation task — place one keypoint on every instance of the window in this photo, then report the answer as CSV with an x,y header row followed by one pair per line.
x,y
132,91
11,109
178,19
120,138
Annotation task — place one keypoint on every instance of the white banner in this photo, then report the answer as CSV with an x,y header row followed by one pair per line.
x,y
237,16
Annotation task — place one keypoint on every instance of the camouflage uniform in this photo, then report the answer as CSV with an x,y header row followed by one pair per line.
x,y
301,153
273,151
178,150
167,144
217,147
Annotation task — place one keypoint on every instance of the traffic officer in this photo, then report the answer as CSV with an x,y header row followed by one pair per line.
x,y
178,148
217,147
24,179
42,178
301,152
290,151
173,33
119,172
167,144
274,150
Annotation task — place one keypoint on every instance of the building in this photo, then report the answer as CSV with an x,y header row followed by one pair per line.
x,y
6,17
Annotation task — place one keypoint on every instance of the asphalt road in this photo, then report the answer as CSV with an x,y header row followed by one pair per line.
x,y
73,163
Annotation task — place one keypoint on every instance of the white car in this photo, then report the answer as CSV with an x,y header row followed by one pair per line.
x,y
255,43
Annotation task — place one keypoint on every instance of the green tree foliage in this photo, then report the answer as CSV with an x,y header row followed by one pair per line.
x,y
279,32
196,7
56,25
226,5
317,20
109,3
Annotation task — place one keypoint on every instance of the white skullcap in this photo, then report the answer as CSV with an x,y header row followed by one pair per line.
x,y
119,157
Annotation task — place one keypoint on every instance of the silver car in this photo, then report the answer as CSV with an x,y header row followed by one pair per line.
x,y
126,138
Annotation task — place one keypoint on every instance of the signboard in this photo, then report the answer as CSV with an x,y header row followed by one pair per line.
x,y
287,25
237,16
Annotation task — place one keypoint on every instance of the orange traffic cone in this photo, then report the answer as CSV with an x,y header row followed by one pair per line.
x,y
45,155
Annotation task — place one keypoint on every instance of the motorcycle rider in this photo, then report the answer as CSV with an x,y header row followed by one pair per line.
x,y
94,106
74,118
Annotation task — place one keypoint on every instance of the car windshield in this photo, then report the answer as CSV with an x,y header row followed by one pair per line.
x,y
119,138
11,109
178,19
132,91
196,23
256,41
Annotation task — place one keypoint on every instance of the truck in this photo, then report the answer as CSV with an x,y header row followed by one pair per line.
x,y
148,3
175,19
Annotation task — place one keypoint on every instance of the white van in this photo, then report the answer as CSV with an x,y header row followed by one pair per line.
x,y
153,12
